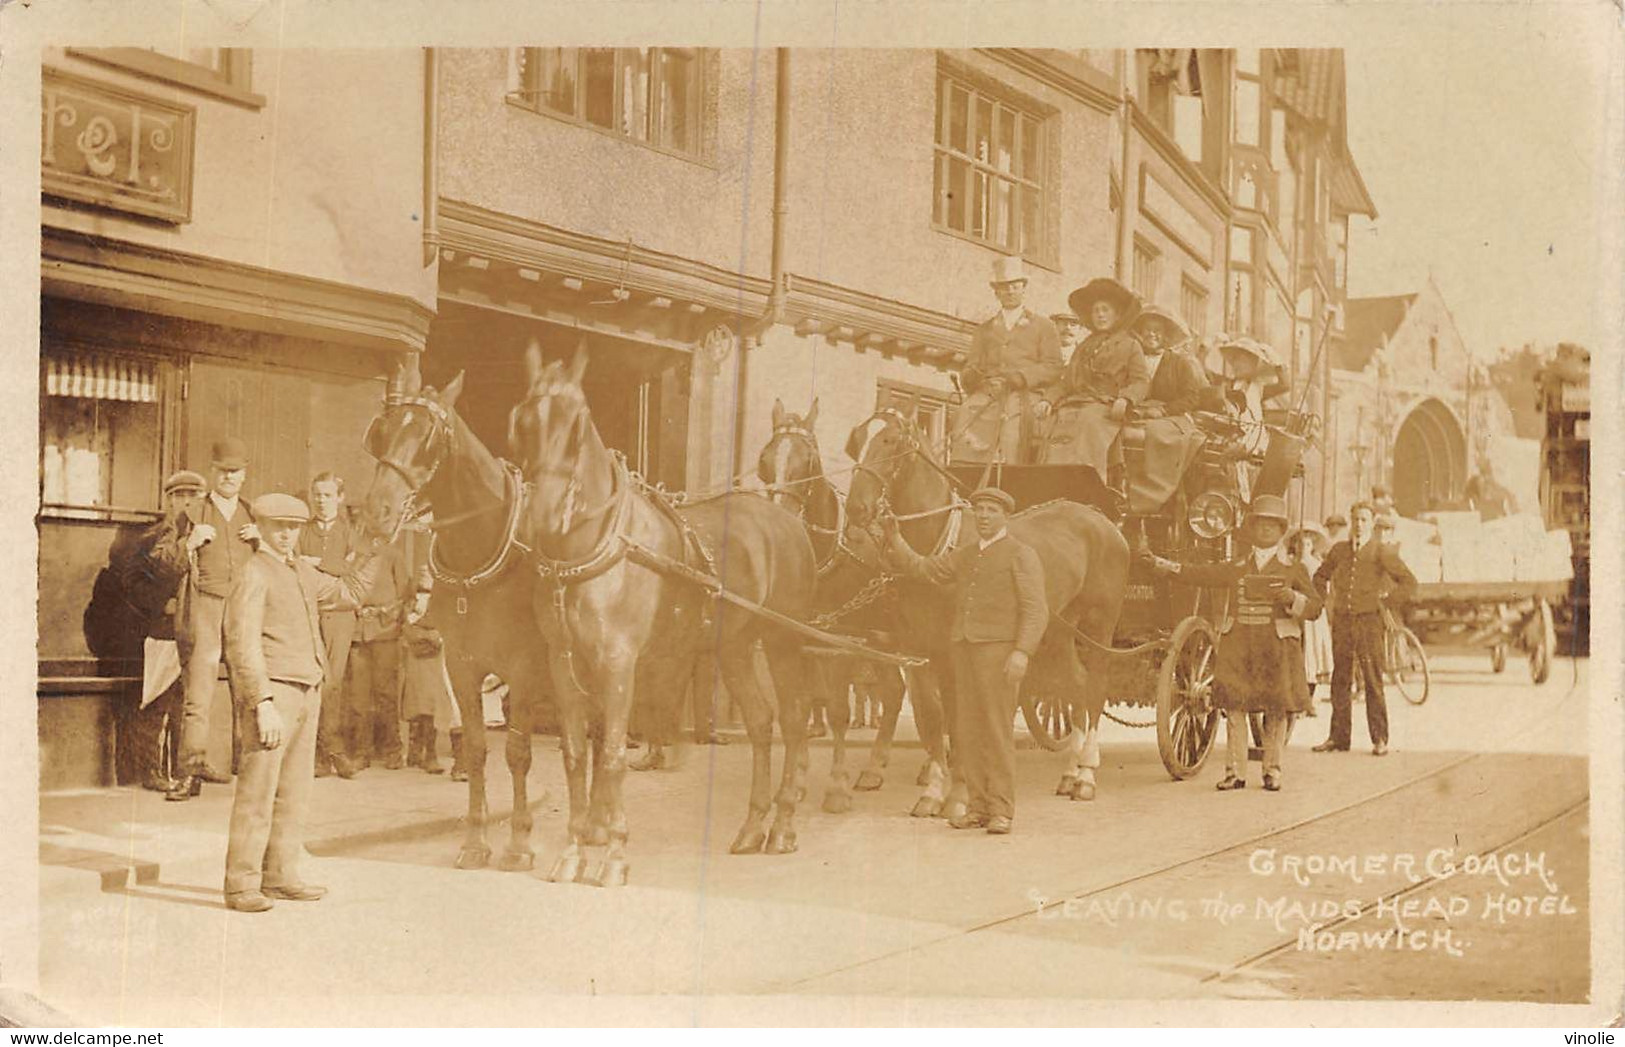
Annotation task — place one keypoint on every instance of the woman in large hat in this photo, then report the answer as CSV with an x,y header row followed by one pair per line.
x,y
1260,667
1105,378
1178,387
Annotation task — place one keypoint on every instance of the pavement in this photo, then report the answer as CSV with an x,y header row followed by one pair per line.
x,y
875,907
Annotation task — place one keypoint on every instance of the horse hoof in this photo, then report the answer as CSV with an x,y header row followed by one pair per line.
x,y
591,873
565,870
781,842
837,802
1083,790
869,781
649,762
1068,783
749,841
951,811
517,861
614,873
926,807
473,857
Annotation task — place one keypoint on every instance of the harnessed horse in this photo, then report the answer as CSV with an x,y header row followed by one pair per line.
x,y
853,594
611,607
1084,556
481,601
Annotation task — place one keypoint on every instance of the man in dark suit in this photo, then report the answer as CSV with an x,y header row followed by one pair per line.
x,y
1013,354
276,657
999,617
1358,573
328,544
220,543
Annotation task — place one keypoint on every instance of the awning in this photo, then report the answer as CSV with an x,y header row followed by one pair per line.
x,y
96,376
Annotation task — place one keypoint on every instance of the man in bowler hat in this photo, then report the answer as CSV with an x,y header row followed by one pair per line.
x,y
219,543
1000,614
276,658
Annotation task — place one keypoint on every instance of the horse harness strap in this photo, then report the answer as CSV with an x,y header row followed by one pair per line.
x,y
517,496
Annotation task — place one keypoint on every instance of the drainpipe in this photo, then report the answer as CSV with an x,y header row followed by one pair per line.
x,y
1121,265
778,291
431,166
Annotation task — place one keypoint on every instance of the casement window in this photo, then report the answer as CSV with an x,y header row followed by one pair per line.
x,y
101,422
1147,270
1193,306
653,95
935,410
223,72
992,181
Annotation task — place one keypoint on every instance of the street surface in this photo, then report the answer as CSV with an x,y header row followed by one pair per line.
x,y
1156,890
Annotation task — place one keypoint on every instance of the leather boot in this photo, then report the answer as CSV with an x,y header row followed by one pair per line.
x,y
459,769
429,759
414,742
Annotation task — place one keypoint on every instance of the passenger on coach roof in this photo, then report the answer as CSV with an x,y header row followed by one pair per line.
x,y
1013,354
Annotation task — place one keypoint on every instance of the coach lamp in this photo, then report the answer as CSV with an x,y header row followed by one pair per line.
x,y
1212,515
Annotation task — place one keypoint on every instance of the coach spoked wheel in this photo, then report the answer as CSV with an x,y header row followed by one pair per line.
x,y
1049,721
1409,664
1543,645
1187,722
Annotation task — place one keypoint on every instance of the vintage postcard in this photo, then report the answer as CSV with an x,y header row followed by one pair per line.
x,y
811,514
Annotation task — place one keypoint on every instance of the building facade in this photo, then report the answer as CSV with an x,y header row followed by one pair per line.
x,y
720,228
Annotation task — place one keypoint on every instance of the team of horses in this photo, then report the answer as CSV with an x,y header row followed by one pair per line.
x,y
559,560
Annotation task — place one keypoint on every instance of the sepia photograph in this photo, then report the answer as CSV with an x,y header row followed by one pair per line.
x,y
727,514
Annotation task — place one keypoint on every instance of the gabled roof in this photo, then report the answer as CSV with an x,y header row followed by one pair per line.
x,y
1312,81
1369,322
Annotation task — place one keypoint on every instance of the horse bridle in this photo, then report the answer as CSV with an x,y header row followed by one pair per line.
x,y
441,436
788,487
912,449
572,490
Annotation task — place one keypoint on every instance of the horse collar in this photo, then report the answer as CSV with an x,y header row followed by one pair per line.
x,y
517,496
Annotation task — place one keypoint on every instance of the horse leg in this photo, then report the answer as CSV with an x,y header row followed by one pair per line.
x,y
1075,683
466,678
889,691
785,666
609,776
928,717
958,801
573,725
838,795
739,676
519,857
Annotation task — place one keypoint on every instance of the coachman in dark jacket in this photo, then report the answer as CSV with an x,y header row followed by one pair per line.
x,y
1013,354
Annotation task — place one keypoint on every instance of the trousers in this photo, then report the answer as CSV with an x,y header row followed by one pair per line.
x,y
984,730
374,693
338,630
273,793
1357,642
1236,742
201,640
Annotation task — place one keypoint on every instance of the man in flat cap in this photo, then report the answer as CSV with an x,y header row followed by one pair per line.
x,y
276,658
1012,355
1000,614
158,568
219,543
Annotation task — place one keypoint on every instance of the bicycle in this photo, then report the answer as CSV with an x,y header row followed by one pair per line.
x,y
1405,663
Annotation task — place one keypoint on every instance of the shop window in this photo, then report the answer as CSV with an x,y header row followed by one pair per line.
x,y
1193,306
991,177
100,422
1147,270
649,94
224,72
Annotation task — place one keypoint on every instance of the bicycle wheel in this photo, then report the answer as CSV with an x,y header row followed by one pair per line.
x,y
1409,665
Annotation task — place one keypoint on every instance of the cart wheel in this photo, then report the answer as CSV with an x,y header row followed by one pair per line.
x,y
1540,655
1187,723
1049,721
1498,657
1409,664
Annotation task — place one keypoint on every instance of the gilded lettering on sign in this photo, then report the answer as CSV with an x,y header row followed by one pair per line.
x,y
115,148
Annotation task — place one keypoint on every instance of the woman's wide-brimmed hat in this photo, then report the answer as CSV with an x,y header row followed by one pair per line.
x,y
1103,289
1154,317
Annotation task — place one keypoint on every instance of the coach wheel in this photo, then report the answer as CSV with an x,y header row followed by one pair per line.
x,y
1545,645
1049,721
1187,722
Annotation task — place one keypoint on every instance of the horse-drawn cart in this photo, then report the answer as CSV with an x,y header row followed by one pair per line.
x,y
1496,616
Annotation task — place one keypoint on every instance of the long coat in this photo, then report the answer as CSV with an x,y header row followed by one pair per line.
x,y
1172,440
1028,358
1107,366
1260,666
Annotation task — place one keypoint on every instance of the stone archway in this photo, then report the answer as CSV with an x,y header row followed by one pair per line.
x,y
1430,459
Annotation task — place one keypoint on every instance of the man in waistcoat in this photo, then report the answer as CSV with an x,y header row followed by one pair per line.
x,y
328,544
277,659
219,544
999,617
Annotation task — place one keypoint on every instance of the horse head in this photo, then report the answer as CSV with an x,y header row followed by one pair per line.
x,y
548,433
411,437
884,447
789,463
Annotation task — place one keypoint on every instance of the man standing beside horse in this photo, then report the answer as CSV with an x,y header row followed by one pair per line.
x,y
999,617
1013,354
